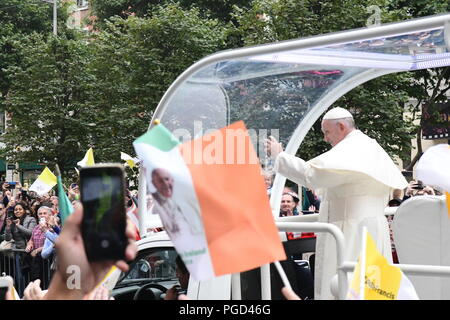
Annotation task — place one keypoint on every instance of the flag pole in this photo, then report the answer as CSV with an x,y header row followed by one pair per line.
x,y
142,195
362,271
282,275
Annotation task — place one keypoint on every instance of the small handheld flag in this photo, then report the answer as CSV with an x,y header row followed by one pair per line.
x,y
88,159
199,193
129,159
64,205
44,183
375,279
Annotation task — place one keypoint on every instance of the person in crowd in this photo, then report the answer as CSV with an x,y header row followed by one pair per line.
x,y
35,205
10,207
311,202
54,229
70,251
36,244
74,192
356,176
6,194
2,221
183,275
19,228
54,200
394,202
417,188
396,198
288,205
268,179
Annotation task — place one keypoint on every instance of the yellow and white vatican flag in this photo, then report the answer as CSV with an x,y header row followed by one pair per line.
x,y
110,279
88,159
15,294
375,279
433,169
44,183
129,159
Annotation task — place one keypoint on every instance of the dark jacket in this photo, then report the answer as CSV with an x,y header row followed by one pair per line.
x,y
21,233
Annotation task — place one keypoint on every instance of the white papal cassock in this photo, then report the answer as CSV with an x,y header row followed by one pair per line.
x,y
355,178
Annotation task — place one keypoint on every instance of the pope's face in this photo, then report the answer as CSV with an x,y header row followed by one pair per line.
x,y
163,182
333,132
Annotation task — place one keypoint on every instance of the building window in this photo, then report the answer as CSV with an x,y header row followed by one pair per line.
x,y
82,3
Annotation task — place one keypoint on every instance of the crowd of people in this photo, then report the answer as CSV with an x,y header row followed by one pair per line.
x,y
29,226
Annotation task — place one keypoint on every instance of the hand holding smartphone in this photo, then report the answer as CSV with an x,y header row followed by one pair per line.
x,y
103,227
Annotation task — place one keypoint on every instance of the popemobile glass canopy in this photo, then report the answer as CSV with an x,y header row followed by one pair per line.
x,y
288,85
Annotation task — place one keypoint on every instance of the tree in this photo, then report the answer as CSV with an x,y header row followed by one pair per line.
x,y
379,104
135,60
429,88
49,116
220,9
19,18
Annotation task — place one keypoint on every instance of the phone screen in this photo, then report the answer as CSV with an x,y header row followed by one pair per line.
x,y
104,220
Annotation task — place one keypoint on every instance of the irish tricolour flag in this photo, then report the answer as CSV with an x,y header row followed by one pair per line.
x,y
212,199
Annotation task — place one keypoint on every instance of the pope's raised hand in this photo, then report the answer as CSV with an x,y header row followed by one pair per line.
x,y
273,147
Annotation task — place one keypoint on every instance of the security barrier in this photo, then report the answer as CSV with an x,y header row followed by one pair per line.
x,y
18,264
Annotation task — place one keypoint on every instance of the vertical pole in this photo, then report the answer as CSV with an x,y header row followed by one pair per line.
x,y
54,17
362,271
236,286
265,282
142,198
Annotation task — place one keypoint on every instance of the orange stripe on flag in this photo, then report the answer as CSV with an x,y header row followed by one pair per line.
x,y
236,214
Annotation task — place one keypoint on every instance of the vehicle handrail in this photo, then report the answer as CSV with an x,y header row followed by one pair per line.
x,y
300,218
340,244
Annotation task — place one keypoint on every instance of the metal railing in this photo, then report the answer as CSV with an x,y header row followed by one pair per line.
x,y
13,259
343,267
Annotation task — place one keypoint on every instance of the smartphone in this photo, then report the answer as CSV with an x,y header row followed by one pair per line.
x,y
43,222
6,284
102,192
418,186
11,185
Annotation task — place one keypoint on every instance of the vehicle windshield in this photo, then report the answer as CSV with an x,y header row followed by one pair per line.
x,y
282,89
152,265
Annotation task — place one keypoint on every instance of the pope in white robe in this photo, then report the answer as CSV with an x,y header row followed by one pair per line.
x,y
355,178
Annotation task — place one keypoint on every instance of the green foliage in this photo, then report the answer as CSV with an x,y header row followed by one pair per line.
x,y
68,95
19,18
48,115
136,60
380,103
220,9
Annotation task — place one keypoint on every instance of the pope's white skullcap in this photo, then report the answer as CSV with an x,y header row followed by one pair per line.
x,y
337,113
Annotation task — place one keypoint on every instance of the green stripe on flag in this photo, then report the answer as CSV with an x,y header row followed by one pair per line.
x,y
64,204
159,137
